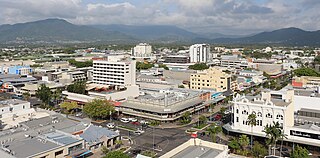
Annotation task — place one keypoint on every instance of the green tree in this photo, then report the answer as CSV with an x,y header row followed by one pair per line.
x,y
116,154
304,71
203,119
258,150
273,133
199,66
77,87
44,94
104,150
98,109
80,64
299,152
185,118
143,66
234,144
317,59
252,120
213,130
56,95
181,86
163,66
26,96
244,141
69,106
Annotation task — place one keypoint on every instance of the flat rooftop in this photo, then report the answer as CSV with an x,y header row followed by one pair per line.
x,y
198,152
10,102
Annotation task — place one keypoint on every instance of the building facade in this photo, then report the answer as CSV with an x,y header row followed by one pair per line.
x,y
212,78
18,70
142,50
118,73
306,81
199,53
276,106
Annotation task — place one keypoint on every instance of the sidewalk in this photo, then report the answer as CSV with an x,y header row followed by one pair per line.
x,y
195,118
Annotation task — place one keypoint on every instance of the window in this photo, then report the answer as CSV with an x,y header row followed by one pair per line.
x,y
268,115
259,114
58,153
237,111
237,119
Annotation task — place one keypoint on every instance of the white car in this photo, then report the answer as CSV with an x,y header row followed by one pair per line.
x,y
125,120
133,119
110,125
144,122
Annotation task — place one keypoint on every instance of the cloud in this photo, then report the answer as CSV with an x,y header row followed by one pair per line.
x,y
223,16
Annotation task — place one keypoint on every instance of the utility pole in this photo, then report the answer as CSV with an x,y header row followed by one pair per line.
x,y
153,138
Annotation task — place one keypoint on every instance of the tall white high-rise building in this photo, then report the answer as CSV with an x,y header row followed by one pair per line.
x,y
142,50
199,53
108,71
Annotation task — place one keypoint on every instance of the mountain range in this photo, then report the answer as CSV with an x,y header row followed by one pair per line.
x,y
61,31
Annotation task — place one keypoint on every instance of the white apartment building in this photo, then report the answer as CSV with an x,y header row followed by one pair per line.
x,y
110,72
142,50
199,53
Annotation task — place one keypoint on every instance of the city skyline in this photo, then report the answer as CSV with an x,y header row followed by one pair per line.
x,y
215,16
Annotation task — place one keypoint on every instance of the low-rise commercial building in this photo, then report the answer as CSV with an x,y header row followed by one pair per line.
x,y
198,148
166,104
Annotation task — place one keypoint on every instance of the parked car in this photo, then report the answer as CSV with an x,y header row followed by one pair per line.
x,y
124,120
137,133
217,117
133,119
110,125
144,122
135,123
79,114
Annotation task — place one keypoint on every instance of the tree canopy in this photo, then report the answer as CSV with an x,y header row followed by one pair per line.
x,y
300,152
143,66
98,109
306,72
116,154
199,66
44,93
69,105
80,64
77,87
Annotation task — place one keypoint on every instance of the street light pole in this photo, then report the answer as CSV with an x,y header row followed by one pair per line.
x,y
153,139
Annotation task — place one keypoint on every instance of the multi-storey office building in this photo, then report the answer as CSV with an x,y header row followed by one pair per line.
x,y
110,72
142,50
199,53
212,78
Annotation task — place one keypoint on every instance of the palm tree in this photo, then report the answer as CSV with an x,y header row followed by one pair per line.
x,y
273,133
252,120
213,130
244,142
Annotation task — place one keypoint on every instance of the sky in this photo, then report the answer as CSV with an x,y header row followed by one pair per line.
x,y
237,17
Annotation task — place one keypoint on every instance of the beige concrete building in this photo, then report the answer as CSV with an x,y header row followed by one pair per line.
x,y
306,81
212,78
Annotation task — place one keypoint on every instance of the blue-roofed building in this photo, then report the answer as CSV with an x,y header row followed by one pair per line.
x,y
95,137
18,70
